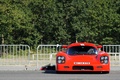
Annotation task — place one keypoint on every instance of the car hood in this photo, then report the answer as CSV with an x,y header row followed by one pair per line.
x,y
82,59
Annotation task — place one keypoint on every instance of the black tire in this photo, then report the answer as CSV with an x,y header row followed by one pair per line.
x,y
59,72
106,72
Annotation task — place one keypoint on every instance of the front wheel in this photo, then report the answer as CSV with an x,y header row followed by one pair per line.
x,y
58,72
105,72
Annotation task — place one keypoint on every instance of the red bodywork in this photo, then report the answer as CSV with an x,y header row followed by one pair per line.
x,y
82,61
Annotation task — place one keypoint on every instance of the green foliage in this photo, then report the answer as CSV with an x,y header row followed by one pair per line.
x,y
35,22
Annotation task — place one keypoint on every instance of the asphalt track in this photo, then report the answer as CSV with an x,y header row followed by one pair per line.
x,y
51,75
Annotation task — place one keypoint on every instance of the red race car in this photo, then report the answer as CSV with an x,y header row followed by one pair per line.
x,y
82,57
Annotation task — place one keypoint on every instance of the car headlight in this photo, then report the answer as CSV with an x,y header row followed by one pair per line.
x,y
60,59
104,59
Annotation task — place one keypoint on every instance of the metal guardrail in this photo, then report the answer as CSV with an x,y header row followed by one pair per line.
x,y
16,55
113,50
45,51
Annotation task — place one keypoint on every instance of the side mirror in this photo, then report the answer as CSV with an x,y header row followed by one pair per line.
x,y
99,46
64,46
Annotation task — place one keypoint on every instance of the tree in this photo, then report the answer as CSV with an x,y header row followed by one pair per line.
x,y
36,22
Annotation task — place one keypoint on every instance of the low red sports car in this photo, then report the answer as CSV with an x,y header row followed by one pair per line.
x,y
82,57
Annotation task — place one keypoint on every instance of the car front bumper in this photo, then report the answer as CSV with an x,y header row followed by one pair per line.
x,y
91,68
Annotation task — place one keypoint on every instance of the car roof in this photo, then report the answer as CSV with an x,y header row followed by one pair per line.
x,y
82,44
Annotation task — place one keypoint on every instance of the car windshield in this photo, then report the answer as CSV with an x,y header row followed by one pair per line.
x,y
80,50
